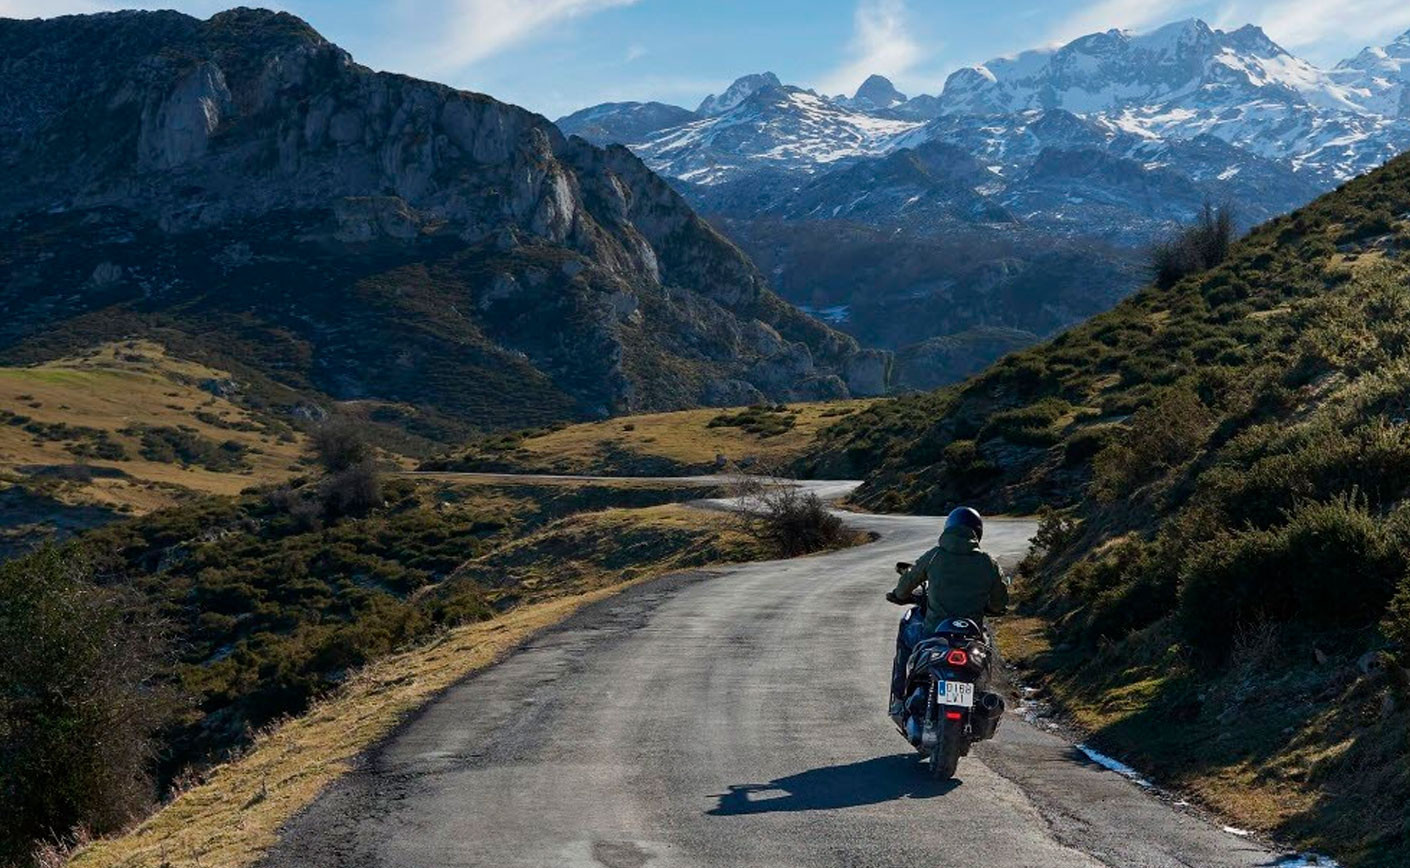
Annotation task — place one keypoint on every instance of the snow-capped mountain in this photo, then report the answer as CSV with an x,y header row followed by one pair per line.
x,y
1087,151
1376,78
877,93
616,122
742,89
1186,61
1133,96
1186,79
774,127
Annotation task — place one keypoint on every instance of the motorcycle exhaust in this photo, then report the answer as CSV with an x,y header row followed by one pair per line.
x,y
990,704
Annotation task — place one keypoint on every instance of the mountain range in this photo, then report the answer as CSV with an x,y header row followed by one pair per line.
x,y
242,191
1097,147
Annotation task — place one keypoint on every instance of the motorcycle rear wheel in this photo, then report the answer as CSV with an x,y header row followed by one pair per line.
x,y
945,756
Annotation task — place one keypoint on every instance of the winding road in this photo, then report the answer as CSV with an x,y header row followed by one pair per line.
x,y
733,716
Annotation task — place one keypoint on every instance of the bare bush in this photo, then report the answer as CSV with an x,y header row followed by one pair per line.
x,y
353,484
355,490
788,519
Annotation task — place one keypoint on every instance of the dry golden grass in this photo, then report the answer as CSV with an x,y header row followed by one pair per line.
x,y
120,385
596,549
683,437
234,817
493,481
1021,639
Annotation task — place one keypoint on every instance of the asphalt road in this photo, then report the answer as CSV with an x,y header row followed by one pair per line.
x,y
732,716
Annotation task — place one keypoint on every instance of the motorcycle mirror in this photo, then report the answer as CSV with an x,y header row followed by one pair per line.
x,y
901,567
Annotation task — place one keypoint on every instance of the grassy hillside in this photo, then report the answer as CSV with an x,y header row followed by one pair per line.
x,y
125,428
686,442
1231,456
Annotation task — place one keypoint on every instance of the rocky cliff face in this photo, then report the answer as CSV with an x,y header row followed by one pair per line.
x,y
242,182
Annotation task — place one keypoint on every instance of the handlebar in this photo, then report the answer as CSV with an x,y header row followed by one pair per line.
x,y
916,598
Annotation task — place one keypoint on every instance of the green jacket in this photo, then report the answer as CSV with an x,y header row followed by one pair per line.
x,y
964,581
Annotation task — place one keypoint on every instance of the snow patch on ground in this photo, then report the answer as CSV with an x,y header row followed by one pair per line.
x,y
1306,860
1117,766
835,314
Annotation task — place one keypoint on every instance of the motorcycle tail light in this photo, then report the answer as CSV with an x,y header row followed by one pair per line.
x,y
953,715
957,657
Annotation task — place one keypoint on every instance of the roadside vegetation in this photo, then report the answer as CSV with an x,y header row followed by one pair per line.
x,y
228,615
1226,463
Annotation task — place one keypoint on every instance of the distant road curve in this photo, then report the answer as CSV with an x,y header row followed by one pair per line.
x,y
733,716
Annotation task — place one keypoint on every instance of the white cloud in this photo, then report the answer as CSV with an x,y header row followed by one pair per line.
x,y
1294,24
636,52
1309,23
1121,14
469,31
881,43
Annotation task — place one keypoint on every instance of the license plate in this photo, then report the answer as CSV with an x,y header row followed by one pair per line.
x,y
955,693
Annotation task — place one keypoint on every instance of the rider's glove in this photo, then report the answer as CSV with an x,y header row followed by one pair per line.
x,y
892,598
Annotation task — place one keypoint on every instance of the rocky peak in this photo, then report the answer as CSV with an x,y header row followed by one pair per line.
x,y
743,88
578,266
1379,77
877,92
1185,60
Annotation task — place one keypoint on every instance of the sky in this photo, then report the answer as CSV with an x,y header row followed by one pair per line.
x,y
555,56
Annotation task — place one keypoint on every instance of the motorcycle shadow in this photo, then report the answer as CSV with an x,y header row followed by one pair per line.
x,y
867,782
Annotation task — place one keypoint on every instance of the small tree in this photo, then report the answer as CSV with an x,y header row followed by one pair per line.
x,y
1194,248
353,485
79,702
340,444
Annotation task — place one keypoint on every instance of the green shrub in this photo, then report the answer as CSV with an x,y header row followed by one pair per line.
x,y
1031,425
1332,564
1159,437
764,420
185,446
1397,621
967,466
1085,443
78,704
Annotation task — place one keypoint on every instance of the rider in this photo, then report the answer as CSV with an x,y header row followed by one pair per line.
x,y
963,582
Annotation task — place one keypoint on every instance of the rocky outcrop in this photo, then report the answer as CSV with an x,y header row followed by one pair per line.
x,y
364,204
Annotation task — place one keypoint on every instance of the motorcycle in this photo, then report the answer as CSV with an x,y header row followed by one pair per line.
x,y
946,705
